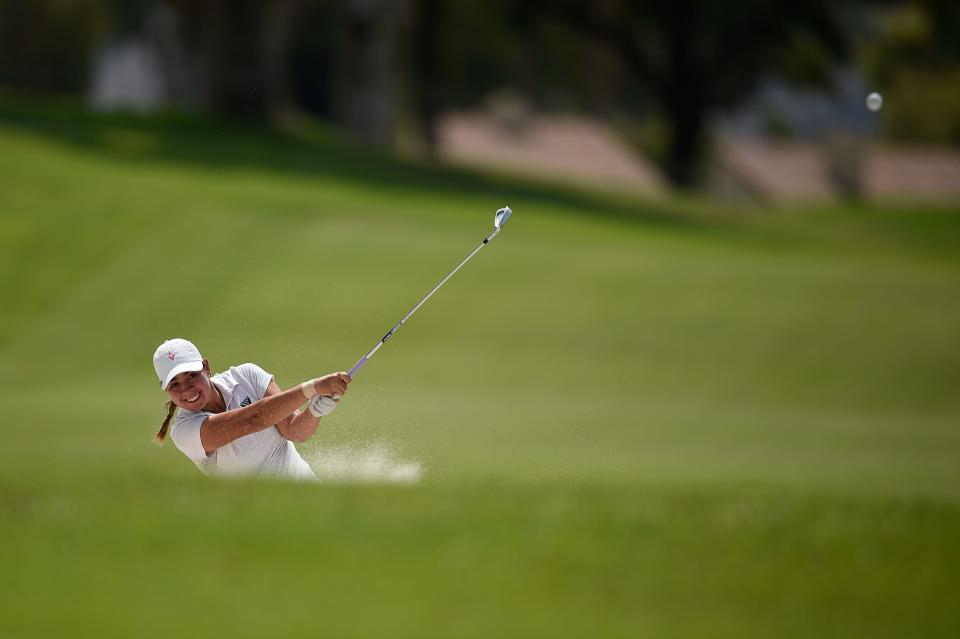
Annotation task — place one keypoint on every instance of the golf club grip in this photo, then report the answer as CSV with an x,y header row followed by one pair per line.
x,y
356,367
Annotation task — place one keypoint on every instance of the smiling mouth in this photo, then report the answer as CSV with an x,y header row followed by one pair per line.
x,y
190,400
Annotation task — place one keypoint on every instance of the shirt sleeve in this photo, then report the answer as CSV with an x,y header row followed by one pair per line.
x,y
186,435
258,378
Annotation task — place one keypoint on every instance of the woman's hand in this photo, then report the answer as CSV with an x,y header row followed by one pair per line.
x,y
332,384
321,405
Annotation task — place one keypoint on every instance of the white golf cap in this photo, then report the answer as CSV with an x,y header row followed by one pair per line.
x,y
173,357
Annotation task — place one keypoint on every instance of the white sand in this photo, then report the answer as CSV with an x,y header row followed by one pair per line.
x,y
371,462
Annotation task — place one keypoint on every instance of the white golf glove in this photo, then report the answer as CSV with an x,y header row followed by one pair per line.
x,y
321,405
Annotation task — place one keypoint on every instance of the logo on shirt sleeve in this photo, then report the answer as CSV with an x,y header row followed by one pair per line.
x,y
245,402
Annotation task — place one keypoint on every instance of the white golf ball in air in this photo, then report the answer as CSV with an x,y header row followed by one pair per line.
x,y
874,101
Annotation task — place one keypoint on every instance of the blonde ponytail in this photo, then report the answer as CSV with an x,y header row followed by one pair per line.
x,y
162,433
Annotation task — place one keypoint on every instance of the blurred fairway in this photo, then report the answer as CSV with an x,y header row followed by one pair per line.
x,y
632,419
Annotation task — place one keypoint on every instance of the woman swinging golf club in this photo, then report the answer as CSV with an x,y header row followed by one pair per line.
x,y
239,422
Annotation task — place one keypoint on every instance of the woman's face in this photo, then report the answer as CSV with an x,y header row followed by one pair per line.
x,y
192,390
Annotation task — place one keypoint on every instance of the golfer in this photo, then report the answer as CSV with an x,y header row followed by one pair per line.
x,y
239,422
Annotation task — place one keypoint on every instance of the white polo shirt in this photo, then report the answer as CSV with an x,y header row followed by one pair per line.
x,y
266,452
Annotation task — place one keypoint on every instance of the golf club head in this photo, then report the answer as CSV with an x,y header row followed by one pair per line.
x,y
502,216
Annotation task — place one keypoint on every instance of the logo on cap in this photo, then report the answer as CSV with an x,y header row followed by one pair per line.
x,y
172,355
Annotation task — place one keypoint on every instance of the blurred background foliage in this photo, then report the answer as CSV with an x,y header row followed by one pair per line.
x,y
385,70
917,57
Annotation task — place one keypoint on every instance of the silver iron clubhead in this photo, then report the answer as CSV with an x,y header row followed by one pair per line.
x,y
502,216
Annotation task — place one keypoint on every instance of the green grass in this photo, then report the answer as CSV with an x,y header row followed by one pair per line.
x,y
664,419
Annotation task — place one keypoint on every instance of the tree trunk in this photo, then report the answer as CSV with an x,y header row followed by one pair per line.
x,y
246,47
684,96
367,95
686,115
274,47
234,69
427,75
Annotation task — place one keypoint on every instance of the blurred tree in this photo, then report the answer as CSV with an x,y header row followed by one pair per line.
x,y
368,67
313,52
692,57
484,48
945,18
467,52
47,45
914,60
674,62
428,22
243,45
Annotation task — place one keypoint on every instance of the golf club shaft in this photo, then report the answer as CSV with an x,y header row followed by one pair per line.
x,y
363,360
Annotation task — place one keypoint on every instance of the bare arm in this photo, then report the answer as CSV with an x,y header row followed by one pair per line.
x,y
222,428
298,426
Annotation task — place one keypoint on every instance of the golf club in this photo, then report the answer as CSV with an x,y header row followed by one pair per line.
x,y
501,218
